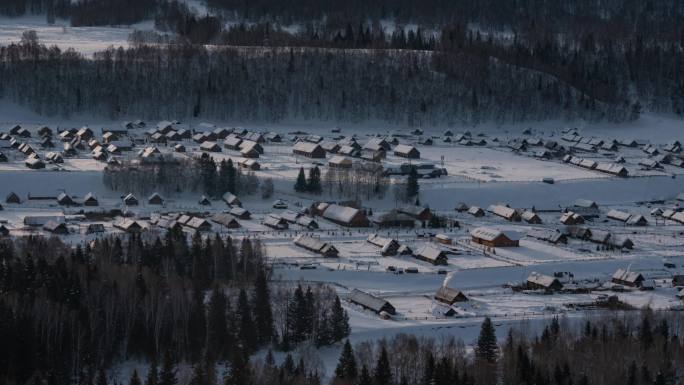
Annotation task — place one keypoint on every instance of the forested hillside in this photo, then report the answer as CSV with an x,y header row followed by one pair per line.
x,y
458,62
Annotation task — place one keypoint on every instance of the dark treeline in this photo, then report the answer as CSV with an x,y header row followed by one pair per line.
x,y
84,12
620,350
617,19
68,314
273,84
170,175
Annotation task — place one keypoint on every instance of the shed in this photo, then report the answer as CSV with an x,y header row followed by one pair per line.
x,y
429,253
449,296
231,199
394,219
63,199
275,222
371,302
199,224
406,151
627,278
505,212
127,225
226,220
56,227
309,150
531,217
544,282
155,199
240,213
551,236
130,200
316,245
204,201
210,147
12,198
388,246
418,212
476,211
339,161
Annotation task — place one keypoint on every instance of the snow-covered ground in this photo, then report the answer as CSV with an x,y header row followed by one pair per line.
x,y
86,40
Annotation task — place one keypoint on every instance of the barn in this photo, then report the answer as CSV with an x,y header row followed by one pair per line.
x,y
494,238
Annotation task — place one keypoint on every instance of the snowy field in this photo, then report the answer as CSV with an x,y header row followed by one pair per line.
x,y
86,40
477,175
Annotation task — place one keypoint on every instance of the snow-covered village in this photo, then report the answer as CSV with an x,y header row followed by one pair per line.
x,y
288,234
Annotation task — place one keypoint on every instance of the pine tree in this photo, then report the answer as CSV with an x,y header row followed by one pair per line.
x,y
632,374
239,372
296,316
101,377
645,333
247,332
167,374
197,325
339,321
261,306
487,349
313,183
365,378
300,184
346,366
217,324
383,373
198,375
152,374
412,185
135,380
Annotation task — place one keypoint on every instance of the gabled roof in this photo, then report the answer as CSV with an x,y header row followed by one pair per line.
x,y
489,234
369,301
430,253
339,213
627,276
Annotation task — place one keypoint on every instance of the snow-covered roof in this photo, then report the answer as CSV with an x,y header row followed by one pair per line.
x,y
489,234
618,215
430,252
367,300
307,147
542,280
340,213
627,276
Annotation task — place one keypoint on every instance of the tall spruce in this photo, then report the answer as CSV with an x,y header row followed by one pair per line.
x,y
247,333
300,184
346,366
383,373
412,185
487,348
339,321
167,374
261,307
